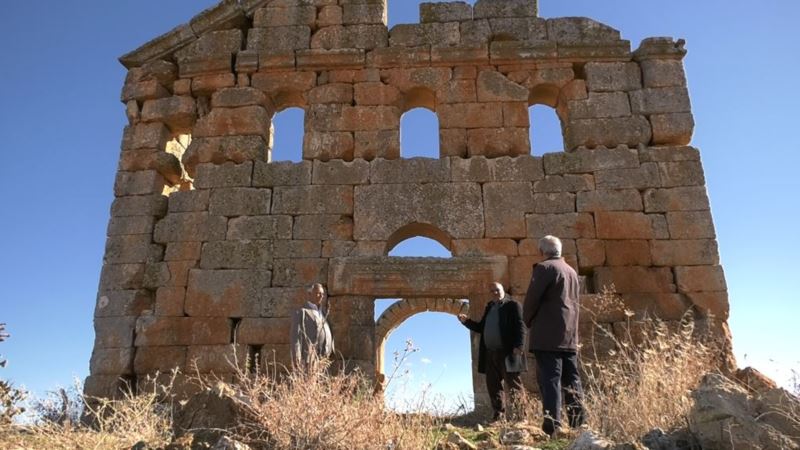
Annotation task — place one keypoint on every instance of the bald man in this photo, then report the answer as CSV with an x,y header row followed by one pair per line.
x,y
500,354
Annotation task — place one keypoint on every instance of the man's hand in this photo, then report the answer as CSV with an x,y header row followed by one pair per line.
x,y
462,318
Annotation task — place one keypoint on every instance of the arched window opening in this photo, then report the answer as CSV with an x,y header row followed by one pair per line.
x,y
546,133
419,239
419,133
288,127
177,147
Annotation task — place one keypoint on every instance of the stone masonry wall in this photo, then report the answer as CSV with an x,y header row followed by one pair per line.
x,y
210,248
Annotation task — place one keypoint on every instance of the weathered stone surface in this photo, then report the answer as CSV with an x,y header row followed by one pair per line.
x,y
711,304
669,154
690,252
159,358
240,254
495,87
136,248
676,199
225,175
239,202
145,135
170,301
700,279
284,173
139,205
329,15
182,251
216,359
274,83
612,76
260,227
505,205
121,276
564,183
610,132
633,279
277,16
324,145
314,199
662,73
281,301
608,200
494,142
591,253
138,183
323,226
112,361
307,248
645,176
240,96
623,225
218,150
226,293
299,272
570,225
425,34
190,226
413,170
508,8
114,332
690,225
378,214
577,29
471,115
600,105
260,331
338,248
331,93
445,12
341,172
628,253
189,201
375,93
243,121
178,113
484,247
673,128
123,303
119,226
276,40
587,160
660,100
207,84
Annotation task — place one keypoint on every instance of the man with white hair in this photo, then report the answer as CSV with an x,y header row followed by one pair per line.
x,y
551,313
310,335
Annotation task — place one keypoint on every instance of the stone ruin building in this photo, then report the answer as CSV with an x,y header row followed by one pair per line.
x,y
211,245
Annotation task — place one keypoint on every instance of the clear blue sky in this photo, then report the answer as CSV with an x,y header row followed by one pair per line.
x,y
61,124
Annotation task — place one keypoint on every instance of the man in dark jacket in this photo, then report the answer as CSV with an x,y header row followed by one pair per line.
x,y
551,313
500,354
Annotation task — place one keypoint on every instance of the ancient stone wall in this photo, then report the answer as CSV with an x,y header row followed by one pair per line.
x,y
210,247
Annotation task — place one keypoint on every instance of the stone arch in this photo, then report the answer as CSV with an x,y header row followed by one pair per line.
x,y
418,229
403,309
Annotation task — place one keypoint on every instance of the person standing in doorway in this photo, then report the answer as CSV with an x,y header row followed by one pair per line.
x,y
310,335
500,354
551,314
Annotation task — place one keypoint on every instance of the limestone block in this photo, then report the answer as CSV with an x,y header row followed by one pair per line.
x,y
135,248
590,160
299,272
519,168
281,301
340,172
669,154
495,87
660,226
296,248
139,205
331,93
505,8
656,305
205,85
520,269
239,201
236,97
711,304
143,90
645,176
431,78
634,279
357,344
121,276
329,15
471,115
514,52
506,204
610,200
159,359
120,226
190,226
425,34
691,225
369,248
283,173
331,37
452,142
325,145
226,293
277,82
692,198
105,386
484,247
516,114
130,302
389,57
613,76
145,135
569,225
314,199
218,150
337,249
166,164
600,105
323,226
475,33
660,100
189,201
138,183
378,214
172,273
278,16
591,253
689,252
247,120
444,12
377,94
112,361
366,37
530,247
240,254
610,132
260,331
217,359
565,183
518,28
377,144
674,128
227,175
170,301
178,113
182,251
276,40
628,253
260,227
495,142
114,332
412,170
700,279
553,202
623,225
662,73
367,118
364,13
223,42
681,173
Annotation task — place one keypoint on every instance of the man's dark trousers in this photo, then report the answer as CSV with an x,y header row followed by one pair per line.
x,y
496,375
557,371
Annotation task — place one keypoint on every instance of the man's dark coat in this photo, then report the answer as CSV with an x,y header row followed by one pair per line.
x,y
512,330
551,307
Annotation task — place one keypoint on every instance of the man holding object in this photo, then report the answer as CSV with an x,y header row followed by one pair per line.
x,y
551,313
500,354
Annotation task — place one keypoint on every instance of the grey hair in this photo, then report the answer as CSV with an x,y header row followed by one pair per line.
x,y
313,285
550,246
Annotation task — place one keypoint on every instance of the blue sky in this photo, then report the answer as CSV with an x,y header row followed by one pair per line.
x,y
61,124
